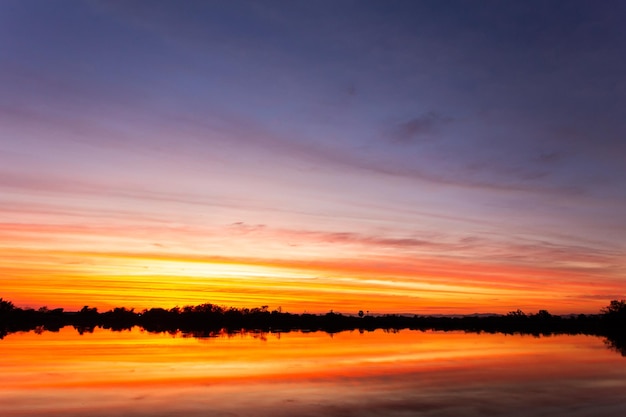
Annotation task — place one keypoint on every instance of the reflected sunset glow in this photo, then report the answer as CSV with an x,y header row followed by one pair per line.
x,y
133,371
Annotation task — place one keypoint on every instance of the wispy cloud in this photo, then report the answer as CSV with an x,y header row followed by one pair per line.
x,y
418,129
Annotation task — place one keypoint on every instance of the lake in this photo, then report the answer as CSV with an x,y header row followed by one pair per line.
x,y
406,373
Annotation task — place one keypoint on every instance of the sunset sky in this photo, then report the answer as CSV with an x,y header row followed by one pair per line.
x,y
390,156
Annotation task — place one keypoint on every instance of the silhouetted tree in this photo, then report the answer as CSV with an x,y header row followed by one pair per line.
x,y
615,309
543,314
516,313
6,306
208,320
86,310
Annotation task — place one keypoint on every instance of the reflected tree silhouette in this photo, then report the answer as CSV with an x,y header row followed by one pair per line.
x,y
209,320
616,342
614,317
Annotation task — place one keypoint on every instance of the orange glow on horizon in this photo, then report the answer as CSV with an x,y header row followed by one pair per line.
x,y
72,279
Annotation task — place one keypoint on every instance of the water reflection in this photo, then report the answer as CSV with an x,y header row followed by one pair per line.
x,y
136,373
616,341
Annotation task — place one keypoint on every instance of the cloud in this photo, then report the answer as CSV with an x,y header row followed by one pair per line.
x,y
550,157
583,257
418,129
602,297
244,228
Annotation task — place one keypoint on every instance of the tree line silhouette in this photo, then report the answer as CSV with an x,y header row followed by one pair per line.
x,y
207,319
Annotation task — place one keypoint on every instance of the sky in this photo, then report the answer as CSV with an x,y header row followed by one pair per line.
x,y
418,157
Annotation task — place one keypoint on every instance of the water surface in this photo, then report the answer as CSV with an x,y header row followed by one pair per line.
x,y
408,373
